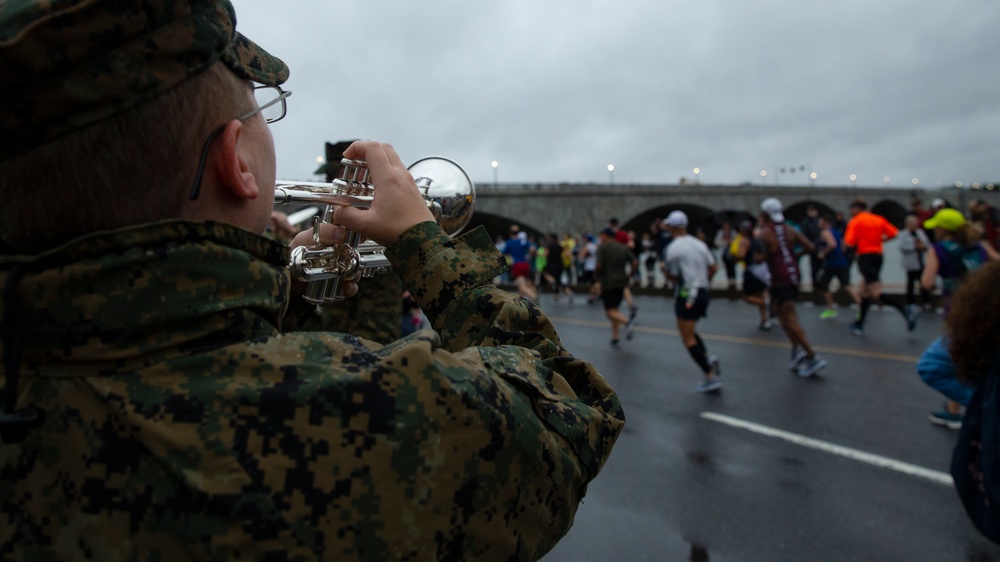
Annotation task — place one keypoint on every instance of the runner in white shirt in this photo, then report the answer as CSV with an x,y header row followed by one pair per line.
x,y
690,265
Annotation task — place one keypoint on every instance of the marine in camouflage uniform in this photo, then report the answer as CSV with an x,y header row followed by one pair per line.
x,y
184,420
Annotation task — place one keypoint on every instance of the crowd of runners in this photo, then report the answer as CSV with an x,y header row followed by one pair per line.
x,y
764,256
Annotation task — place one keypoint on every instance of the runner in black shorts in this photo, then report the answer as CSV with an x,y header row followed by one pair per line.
x,y
755,274
841,274
870,267
613,259
779,241
612,299
690,265
687,309
783,294
835,266
866,232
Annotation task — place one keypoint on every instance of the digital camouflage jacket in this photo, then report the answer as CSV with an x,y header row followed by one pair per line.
x,y
182,423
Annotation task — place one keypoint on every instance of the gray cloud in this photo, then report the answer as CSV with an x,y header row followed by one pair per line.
x,y
555,91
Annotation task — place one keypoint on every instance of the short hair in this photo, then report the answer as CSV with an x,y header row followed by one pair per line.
x,y
133,167
858,204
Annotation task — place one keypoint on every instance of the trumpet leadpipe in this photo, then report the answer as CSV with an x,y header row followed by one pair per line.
x,y
313,193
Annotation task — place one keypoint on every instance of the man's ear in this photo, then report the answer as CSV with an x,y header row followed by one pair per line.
x,y
231,165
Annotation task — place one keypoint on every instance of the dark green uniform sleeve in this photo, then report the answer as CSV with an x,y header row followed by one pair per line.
x,y
450,279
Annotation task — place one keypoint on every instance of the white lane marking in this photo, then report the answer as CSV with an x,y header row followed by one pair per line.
x,y
876,460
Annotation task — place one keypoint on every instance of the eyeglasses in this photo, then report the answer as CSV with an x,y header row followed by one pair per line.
x,y
271,106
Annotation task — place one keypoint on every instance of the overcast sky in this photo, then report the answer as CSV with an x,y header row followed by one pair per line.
x,y
557,90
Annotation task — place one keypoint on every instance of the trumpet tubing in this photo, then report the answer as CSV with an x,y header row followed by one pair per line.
x,y
446,188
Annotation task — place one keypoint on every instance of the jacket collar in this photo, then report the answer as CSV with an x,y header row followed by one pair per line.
x,y
119,300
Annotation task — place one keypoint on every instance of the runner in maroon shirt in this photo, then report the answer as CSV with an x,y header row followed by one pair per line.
x,y
779,242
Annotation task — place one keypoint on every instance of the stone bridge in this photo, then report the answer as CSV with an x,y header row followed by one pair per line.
x,y
580,208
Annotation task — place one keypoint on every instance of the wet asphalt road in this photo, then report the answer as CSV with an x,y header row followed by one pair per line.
x,y
710,477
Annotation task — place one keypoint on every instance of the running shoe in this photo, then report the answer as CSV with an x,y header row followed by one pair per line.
x,y
713,361
946,419
709,386
911,316
812,366
798,355
857,329
828,314
765,326
616,344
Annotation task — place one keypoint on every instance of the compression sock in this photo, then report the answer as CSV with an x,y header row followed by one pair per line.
x,y
697,352
893,303
866,303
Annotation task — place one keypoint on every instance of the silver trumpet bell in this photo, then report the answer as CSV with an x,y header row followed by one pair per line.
x,y
447,189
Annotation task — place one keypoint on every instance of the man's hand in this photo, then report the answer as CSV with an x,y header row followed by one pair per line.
x,y
280,226
329,235
397,204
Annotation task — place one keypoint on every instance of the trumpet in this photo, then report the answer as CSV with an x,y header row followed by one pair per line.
x,y
446,188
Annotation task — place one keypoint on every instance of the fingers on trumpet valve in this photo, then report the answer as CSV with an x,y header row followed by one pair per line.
x,y
330,234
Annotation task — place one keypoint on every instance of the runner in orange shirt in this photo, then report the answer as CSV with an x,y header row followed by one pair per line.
x,y
866,232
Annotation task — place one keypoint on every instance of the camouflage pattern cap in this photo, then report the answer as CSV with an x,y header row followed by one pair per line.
x,y
65,64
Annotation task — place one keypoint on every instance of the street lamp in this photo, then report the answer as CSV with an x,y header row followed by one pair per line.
x,y
886,181
915,181
853,179
611,174
696,172
495,165
763,177
812,178
320,169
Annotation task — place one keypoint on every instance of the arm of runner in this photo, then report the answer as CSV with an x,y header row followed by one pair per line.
x,y
888,230
828,244
807,246
850,235
991,253
929,276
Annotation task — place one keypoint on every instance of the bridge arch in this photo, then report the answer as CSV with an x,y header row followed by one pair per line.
x,y
497,225
892,211
798,211
699,216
